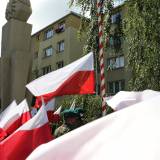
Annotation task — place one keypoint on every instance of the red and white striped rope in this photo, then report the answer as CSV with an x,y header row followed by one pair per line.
x,y
101,56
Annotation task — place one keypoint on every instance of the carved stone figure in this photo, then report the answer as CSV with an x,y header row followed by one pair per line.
x,y
18,9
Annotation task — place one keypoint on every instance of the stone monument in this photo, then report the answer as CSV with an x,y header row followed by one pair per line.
x,y
15,51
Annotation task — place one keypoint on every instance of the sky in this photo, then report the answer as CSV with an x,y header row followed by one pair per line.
x,y
44,12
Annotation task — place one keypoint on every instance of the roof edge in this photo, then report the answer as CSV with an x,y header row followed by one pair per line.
x,y
70,13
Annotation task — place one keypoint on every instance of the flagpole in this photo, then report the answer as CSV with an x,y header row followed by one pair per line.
x,y
101,54
96,72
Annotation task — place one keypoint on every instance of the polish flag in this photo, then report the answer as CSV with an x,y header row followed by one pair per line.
x,y
75,78
129,134
50,107
13,117
53,116
26,138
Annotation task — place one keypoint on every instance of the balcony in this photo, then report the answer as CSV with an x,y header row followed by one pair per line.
x,y
60,29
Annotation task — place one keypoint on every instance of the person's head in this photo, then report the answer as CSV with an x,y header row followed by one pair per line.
x,y
73,117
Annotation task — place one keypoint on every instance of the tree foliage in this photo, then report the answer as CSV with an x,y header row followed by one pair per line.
x,y
90,103
142,32
89,7
89,30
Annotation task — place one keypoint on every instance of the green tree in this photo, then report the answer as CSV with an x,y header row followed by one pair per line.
x,y
90,103
142,33
89,7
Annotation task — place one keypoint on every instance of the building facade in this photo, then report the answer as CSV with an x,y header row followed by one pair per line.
x,y
117,72
56,45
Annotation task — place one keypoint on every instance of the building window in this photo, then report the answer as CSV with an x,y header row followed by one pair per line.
x,y
60,64
46,69
116,18
60,46
115,86
115,63
115,42
61,27
48,51
48,34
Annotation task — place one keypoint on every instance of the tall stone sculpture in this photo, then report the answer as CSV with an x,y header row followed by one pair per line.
x,y
16,51
18,9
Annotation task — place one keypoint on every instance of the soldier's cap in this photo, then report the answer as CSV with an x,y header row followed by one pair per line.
x,y
77,112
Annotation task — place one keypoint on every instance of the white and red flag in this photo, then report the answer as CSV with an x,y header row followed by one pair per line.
x,y
26,138
13,117
75,78
129,134
124,99
50,108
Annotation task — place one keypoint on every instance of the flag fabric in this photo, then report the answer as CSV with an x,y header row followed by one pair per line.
x,y
75,78
56,115
5,120
13,117
50,108
129,134
26,138
124,99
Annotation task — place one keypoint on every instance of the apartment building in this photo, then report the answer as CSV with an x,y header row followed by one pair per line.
x,y
56,45
116,72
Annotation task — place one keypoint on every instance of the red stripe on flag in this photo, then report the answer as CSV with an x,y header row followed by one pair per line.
x,y
82,82
16,124
21,143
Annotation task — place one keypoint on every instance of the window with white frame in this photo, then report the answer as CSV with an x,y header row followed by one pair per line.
x,y
115,63
60,46
48,34
46,69
48,51
116,86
